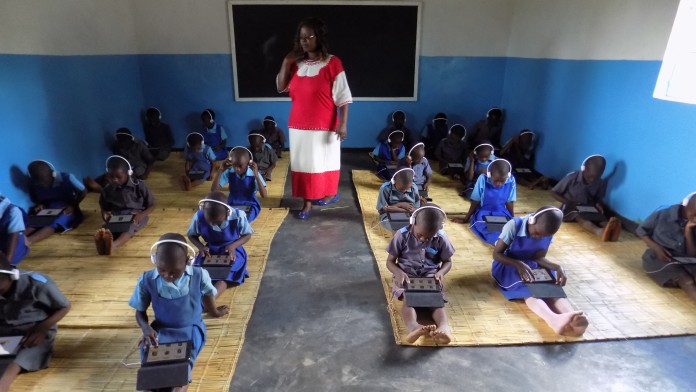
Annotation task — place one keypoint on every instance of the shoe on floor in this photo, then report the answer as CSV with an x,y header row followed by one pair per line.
x,y
303,215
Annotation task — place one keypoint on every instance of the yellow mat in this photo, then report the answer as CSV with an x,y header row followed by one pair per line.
x,y
100,331
605,280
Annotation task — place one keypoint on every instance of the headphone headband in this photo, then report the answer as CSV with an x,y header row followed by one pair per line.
x,y
195,133
488,168
256,134
393,179
153,250
270,120
533,217
130,168
527,133
14,273
125,134
251,156
398,111
484,144
582,167
488,113
159,114
412,220
463,127
54,172
687,199
202,202
393,132
414,146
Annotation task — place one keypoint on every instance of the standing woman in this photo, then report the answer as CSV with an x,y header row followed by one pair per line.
x,y
320,96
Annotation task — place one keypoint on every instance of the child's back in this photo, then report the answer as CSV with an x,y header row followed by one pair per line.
x,y
157,134
12,226
134,150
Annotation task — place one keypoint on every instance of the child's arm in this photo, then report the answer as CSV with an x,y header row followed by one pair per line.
x,y
689,238
149,334
216,179
12,240
212,309
259,182
428,181
470,169
202,249
662,253
510,207
400,276
38,333
540,258
187,166
444,269
236,244
523,269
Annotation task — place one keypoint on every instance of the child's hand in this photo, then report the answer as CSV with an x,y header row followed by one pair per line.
x,y
34,336
254,167
461,220
149,337
220,311
231,252
690,224
426,186
525,272
439,276
106,215
137,217
400,278
38,208
409,160
68,210
560,276
599,207
227,163
204,252
663,254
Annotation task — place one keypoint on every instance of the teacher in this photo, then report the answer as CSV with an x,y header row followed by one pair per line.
x,y
320,96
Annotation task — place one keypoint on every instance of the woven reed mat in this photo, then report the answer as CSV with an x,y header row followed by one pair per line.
x,y
605,280
100,330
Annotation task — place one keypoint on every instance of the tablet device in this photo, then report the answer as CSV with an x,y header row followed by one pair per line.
x,y
9,345
398,220
196,175
523,170
218,266
423,193
164,366
119,223
590,213
495,223
45,217
423,293
685,260
244,207
544,285
454,168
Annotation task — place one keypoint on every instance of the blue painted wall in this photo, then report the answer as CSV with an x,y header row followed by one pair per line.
x,y
63,109
605,107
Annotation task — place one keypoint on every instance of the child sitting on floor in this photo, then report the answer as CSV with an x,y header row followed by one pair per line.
x,y
157,134
398,124
433,133
489,129
669,232
421,250
274,135
399,194
586,187
263,154
225,230
199,161
477,164
522,246
452,150
241,174
12,225
135,151
519,151
388,153
494,195
123,195
50,189
214,134
177,292
422,172
31,307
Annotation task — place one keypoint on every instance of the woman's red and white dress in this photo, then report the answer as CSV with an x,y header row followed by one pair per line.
x,y
317,88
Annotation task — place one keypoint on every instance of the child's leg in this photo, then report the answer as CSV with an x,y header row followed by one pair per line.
x,y
590,226
414,329
558,322
185,182
120,240
578,322
39,235
182,388
442,334
688,284
8,376
197,183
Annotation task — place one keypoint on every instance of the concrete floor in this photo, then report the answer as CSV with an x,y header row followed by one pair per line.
x,y
320,324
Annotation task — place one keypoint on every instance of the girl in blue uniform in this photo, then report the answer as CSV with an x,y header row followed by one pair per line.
x,y
12,226
214,134
242,175
199,158
177,292
388,153
225,230
522,246
51,189
494,195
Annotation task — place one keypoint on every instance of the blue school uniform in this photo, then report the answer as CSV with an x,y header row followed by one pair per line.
x,y
383,151
177,307
213,137
12,220
217,238
521,247
62,193
479,166
242,190
200,160
493,201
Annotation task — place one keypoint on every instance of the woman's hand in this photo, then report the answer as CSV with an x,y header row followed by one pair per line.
x,y
342,132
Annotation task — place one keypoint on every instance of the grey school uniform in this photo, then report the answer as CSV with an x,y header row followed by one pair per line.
x,y
134,196
483,132
574,188
264,158
389,195
666,227
418,259
421,170
32,299
447,153
137,153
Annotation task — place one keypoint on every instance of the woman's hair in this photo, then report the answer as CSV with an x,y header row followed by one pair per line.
x,y
321,33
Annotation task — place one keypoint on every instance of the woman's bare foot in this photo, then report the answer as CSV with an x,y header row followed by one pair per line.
x,y
419,331
99,241
108,241
186,182
562,323
441,335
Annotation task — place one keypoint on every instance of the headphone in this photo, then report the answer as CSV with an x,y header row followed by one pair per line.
x,y
414,147
159,114
687,199
398,111
251,156
582,167
393,132
53,169
212,116
533,217
153,250
14,273
450,131
397,172
412,220
124,133
202,202
257,134
488,113
130,168
270,120
488,168
484,144
438,119
195,133
528,133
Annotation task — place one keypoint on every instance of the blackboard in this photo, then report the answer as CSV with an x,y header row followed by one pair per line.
x,y
378,43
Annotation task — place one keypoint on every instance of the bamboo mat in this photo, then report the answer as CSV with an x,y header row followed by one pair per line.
x,y
605,280
100,331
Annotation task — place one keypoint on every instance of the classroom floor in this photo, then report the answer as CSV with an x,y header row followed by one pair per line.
x,y
320,323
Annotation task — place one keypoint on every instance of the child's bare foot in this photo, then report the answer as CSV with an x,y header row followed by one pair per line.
x,y
421,330
562,323
579,323
611,229
99,241
617,230
108,241
186,182
441,335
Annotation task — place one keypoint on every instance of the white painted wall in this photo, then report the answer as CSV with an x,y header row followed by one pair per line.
x,y
591,29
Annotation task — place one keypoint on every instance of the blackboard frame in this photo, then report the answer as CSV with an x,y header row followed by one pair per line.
x,y
232,3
